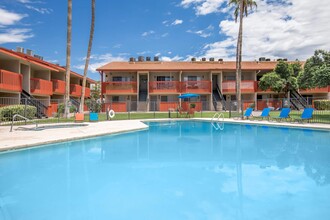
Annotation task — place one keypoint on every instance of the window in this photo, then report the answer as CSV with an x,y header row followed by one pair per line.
x,y
163,78
229,78
115,98
120,79
163,98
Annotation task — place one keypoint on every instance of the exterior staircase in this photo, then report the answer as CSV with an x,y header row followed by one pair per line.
x,y
297,100
28,99
219,102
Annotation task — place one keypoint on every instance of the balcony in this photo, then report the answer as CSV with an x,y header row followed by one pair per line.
x,y
247,86
75,90
58,86
41,87
164,87
315,90
10,81
87,92
117,88
196,87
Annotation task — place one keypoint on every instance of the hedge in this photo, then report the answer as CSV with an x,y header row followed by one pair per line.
x,y
7,112
322,104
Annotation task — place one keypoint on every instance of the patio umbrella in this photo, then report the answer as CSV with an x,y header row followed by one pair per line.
x,y
188,95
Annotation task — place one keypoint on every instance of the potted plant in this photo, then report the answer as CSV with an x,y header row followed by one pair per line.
x,y
192,105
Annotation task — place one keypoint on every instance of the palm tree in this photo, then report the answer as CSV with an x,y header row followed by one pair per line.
x,y
241,9
91,35
68,60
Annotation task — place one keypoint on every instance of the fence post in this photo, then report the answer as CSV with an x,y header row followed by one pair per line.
x,y
25,105
229,109
242,110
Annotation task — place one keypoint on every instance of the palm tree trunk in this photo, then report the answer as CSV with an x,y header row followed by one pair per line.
x,y
239,57
68,60
91,35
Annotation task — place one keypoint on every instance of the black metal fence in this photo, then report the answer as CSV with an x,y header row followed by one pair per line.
x,y
53,110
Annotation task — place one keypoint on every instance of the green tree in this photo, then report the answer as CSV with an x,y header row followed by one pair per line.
x,y
241,9
282,79
316,71
91,35
68,60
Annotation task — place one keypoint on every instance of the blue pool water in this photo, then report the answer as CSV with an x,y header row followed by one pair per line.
x,y
173,170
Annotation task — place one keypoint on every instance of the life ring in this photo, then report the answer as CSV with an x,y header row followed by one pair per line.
x,y
111,113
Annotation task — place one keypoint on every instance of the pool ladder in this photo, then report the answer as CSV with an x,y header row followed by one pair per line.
x,y
216,121
22,117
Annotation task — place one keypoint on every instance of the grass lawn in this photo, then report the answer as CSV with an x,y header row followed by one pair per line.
x,y
318,116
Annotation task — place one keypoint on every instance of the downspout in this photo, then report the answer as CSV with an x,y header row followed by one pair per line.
x,y
101,86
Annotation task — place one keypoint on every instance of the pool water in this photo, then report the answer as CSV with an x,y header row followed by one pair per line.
x,y
173,170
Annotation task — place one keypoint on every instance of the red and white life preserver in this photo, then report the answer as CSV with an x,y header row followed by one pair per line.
x,y
111,113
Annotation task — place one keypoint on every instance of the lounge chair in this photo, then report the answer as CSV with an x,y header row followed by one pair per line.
x,y
79,117
248,113
284,114
181,112
306,115
264,114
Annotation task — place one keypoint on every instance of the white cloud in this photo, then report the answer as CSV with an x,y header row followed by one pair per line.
x,y
207,32
168,59
188,3
97,61
9,18
177,22
204,7
165,35
15,35
291,30
117,46
157,54
147,33
40,10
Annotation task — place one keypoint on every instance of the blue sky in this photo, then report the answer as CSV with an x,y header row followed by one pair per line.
x,y
171,29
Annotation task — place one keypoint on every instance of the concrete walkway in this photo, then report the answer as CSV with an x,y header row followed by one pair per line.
x,y
27,136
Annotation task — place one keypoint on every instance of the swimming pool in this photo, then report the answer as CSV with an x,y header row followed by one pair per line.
x,y
173,170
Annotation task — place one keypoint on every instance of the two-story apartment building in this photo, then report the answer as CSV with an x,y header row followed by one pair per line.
x,y
155,85
24,77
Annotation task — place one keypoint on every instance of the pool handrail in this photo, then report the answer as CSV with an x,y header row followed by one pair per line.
x,y
25,119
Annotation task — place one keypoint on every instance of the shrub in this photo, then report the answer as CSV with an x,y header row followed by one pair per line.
x,y
252,105
322,104
7,112
93,105
192,105
60,108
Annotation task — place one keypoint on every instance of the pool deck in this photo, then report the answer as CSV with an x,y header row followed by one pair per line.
x,y
27,136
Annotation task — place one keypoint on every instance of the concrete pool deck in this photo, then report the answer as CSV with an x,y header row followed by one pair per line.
x,y
27,136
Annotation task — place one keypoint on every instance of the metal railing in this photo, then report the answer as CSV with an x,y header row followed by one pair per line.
x,y
22,117
130,109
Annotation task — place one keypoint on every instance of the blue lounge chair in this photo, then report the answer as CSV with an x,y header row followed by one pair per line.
x,y
264,114
306,115
248,112
284,114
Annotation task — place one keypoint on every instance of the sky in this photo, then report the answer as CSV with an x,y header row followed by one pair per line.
x,y
174,30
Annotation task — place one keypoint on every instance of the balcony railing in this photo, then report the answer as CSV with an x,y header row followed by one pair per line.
x,y
75,90
164,87
10,81
41,87
316,90
87,92
196,87
58,86
119,88
247,86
